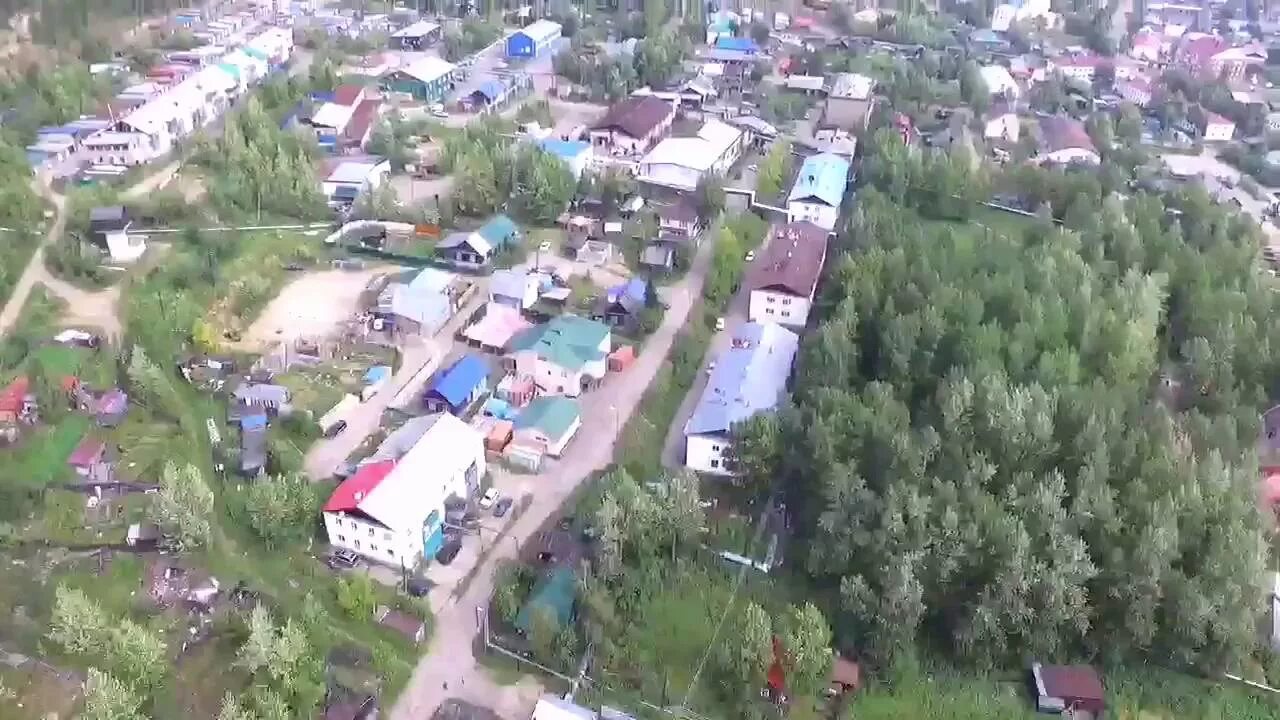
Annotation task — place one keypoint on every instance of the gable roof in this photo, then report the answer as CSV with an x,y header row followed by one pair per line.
x,y
508,283
748,378
1063,133
14,395
567,340
741,44
635,116
427,69
540,30
87,452
347,94
421,28
566,150
792,260
552,414
348,495
498,230
456,384
822,177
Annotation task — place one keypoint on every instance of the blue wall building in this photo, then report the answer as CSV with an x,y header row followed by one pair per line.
x,y
534,40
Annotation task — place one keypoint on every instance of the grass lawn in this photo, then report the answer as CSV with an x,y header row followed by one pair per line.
x,y
40,458
1005,223
34,693
95,368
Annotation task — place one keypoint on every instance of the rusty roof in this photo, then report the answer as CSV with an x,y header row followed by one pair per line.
x,y
635,116
792,259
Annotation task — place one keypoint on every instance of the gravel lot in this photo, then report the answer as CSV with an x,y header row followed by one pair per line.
x,y
313,305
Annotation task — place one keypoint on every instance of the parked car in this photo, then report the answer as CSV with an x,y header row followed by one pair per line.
x,y
336,429
719,324
342,559
449,552
490,497
751,255
544,246
500,509
418,587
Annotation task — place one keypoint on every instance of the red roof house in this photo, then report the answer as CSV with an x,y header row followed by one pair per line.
x,y
347,496
88,453
1068,687
13,399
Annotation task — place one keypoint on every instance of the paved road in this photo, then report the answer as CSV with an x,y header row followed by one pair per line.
x,y
327,454
449,660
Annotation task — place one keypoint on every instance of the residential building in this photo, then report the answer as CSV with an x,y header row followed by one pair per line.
x,y
632,126
1079,66
265,396
1137,91
1068,689
477,248
86,455
109,230
331,118
422,305
563,356
681,163
417,36
537,39
1004,15
1212,56
253,444
807,84
515,288
819,190
350,179
1215,128
454,389
849,102
784,277
428,79
16,401
623,304
491,93
576,154
393,511
749,377
493,332
548,423
111,407
1064,141
999,82
551,707
679,220
1147,45
1001,123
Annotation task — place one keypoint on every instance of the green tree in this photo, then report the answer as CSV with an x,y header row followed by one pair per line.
x,y
806,638
710,196
106,698
184,506
356,597
973,88
544,633
747,652
138,655
78,623
281,509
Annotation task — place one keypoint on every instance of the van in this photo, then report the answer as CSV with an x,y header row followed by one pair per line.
x,y
449,552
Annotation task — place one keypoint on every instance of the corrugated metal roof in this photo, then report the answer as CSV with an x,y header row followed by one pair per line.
x,y
456,384
823,177
749,378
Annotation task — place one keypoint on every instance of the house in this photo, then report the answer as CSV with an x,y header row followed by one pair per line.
x,y
427,79
658,256
493,332
359,130
1064,141
88,453
411,627
267,396
989,40
534,40
575,154
490,93
807,84
550,707
1079,66
393,511
1004,15
1147,45
632,126
1001,123
548,423
422,305
1212,57
331,119
819,190
1215,128
679,220
743,45
783,279
349,179
111,407
622,305
477,248
1060,688
417,36
563,356
849,102
681,163
457,387
999,82
109,230
1137,90
749,377
514,288
253,444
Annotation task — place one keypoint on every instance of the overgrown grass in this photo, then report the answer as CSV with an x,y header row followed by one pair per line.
x,y
41,456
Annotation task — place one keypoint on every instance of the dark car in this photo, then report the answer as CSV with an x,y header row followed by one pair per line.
x,y
342,559
501,507
418,587
448,552
336,429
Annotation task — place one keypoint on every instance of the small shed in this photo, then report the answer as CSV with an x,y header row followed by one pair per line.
x,y
455,389
407,625
88,453
1059,688
111,408
499,436
621,358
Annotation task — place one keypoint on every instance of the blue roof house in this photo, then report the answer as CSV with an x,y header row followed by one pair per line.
x,y
423,305
739,44
534,40
750,377
819,191
576,154
455,389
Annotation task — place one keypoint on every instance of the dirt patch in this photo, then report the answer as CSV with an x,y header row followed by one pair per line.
x,y
312,306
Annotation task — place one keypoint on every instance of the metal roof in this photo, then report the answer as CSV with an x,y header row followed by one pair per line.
x,y
823,177
540,31
421,28
456,384
748,378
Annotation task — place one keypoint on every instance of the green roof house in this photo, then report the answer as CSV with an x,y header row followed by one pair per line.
x,y
556,593
477,248
564,356
549,422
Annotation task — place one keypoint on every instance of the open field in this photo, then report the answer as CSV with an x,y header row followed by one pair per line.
x,y
313,305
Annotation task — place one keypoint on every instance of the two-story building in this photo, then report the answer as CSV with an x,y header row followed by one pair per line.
x,y
783,278
819,190
633,126
564,356
682,163
392,512
427,80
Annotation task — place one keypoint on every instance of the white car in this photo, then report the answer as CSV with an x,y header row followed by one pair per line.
x,y
490,497
751,255
719,324
544,246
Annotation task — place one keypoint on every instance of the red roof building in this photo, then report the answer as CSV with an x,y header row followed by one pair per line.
x,y
13,399
784,278
89,452
1068,687
347,496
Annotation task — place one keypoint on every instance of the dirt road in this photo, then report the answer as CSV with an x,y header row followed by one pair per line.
x,y
34,272
449,660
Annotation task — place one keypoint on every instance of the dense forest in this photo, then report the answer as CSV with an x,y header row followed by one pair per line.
x,y
1032,439
58,23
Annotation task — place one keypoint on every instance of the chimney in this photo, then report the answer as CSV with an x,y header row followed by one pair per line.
x,y
359,495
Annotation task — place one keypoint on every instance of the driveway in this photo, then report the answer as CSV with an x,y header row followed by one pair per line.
x,y
449,662
327,453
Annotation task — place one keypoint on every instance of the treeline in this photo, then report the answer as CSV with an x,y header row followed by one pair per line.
x,y
1037,443
19,210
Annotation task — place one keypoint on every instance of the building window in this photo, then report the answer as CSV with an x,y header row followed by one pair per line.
x,y
768,311
357,544
342,538
373,548
770,298
786,301
370,532
715,463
